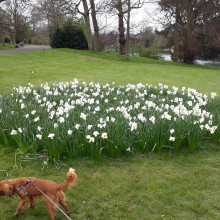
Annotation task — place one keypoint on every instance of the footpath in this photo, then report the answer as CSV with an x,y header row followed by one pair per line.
x,y
25,48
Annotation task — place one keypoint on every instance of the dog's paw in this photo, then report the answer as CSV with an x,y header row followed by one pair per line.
x,y
16,214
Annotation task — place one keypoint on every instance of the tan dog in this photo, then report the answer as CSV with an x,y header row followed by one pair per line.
x,y
27,191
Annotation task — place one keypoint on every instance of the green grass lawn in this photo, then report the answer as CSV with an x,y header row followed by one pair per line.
x,y
152,186
64,65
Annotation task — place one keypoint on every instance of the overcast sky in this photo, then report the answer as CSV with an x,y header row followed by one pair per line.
x,y
140,18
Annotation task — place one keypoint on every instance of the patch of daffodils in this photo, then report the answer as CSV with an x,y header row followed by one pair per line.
x,y
107,119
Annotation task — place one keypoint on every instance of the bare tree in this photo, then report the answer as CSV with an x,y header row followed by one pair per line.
x,y
130,6
116,7
108,38
85,14
177,30
88,25
4,26
122,8
18,20
53,12
56,13
95,26
128,29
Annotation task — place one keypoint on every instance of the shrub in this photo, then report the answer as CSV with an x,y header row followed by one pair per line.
x,y
7,40
150,52
69,36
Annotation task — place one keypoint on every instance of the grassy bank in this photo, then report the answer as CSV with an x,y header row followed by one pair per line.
x,y
65,65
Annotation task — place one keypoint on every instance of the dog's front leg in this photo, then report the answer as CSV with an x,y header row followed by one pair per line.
x,y
21,203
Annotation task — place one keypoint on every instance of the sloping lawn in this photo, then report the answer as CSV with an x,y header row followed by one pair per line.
x,y
64,65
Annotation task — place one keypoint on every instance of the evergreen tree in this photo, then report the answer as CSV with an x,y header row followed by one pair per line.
x,y
69,36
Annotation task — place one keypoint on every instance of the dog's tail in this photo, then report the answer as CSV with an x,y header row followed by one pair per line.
x,y
70,180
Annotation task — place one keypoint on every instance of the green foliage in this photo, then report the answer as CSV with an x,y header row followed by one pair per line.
x,y
6,46
149,52
79,22
69,36
7,40
209,52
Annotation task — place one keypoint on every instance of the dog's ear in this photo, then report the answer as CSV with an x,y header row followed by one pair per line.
x,y
7,189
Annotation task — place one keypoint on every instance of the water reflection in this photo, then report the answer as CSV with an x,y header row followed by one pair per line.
x,y
215,62
167,57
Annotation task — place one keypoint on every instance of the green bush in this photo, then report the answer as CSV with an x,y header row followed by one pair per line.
x,y
69,36
7,40
150,52
6,46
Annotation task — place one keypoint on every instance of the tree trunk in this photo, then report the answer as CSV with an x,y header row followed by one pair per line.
x,y
121,29
88,26
1,38
96,28
17,39
128,30
177,34
189,56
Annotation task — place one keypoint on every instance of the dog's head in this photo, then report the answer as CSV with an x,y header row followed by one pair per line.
x,y
6,189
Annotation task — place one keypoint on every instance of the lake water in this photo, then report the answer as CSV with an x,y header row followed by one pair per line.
x,y
167,57
216,62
